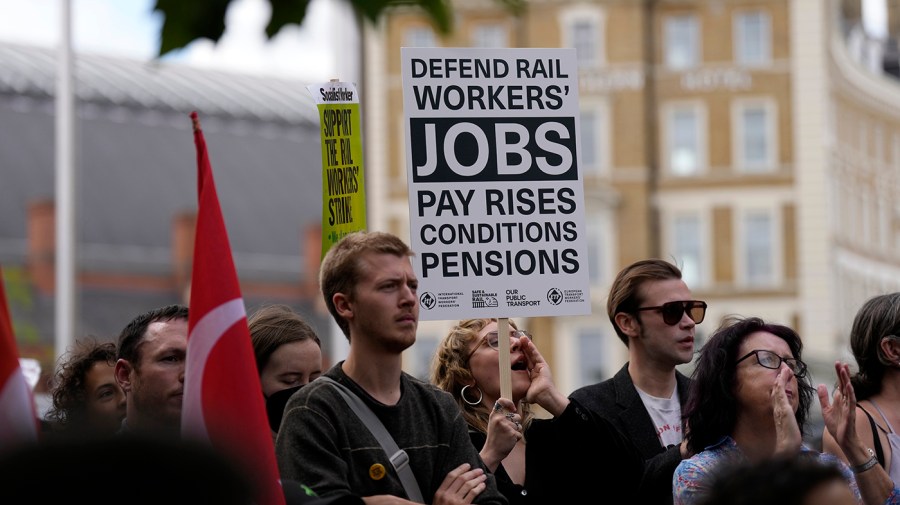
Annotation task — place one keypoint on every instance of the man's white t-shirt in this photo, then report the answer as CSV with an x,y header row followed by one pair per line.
x,y
666,416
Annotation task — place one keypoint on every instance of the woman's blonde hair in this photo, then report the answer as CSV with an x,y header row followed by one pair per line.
x,y
450,371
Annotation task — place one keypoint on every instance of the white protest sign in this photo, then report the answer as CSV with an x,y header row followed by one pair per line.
x,y
496,193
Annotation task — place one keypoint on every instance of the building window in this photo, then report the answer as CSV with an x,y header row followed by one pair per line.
x,y
584,36
601,246
419,36
878,147
759,248
489,35
594,141
582,28
684,134
752,38
755,136
687,247
591,344
589,130
682,41
423,352
595,252
895,150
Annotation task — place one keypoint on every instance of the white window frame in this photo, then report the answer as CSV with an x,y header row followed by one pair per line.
x,y
704,265
740,38
776,247
692,51
600,233
677,253
668,112
593,16
427,344
490,35
601,140
878,159
895,155
595,339
739,155
419,36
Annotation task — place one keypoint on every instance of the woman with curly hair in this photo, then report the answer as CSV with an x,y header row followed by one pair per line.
x,y
524,452
86,397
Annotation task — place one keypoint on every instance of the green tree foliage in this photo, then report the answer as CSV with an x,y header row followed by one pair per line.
x,y
189,20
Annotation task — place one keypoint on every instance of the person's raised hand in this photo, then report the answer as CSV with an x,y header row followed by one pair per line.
x,y
543,390
840,414
504,430
787,432
460,486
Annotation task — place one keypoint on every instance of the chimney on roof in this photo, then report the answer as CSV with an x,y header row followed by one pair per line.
x,y
312,258
42,244
184,225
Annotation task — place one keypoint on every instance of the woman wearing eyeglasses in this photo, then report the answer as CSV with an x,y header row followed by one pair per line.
x,y
749,401
466,365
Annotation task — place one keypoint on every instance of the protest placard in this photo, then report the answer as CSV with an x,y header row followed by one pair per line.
x,y
496,193
343,180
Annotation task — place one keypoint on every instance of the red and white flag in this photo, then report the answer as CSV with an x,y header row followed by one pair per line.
x,y
18,415
223,401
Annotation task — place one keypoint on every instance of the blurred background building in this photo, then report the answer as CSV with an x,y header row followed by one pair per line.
x,y
136,190
755,143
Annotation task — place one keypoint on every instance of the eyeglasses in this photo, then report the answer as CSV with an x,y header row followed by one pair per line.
x,y
492,339
769,359
673,311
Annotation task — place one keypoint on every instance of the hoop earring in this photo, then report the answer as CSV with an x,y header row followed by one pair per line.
x,y
462,394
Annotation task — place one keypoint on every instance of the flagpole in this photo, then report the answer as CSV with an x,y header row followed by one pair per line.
x,y
65,185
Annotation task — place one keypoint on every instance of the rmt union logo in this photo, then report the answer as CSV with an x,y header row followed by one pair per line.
x,y
554,296
427,300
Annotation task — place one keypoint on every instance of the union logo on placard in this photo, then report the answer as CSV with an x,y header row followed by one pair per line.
x,y
482,299
427,300
554,296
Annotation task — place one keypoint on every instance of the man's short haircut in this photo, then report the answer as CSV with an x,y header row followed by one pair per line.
x,y
133,334
341,272
623,295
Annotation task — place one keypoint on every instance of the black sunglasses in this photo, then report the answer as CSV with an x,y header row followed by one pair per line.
x,y
673,311
769,359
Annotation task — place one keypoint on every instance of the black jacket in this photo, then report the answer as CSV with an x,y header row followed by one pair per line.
x,y
618,401
580,458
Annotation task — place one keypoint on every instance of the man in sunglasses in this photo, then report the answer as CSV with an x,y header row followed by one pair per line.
x,y
654,314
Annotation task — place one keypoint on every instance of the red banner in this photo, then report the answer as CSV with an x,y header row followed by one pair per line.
x,y
223,401
18,415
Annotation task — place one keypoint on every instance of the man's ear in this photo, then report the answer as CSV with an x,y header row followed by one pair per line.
x,y
342,305
628,323
123,374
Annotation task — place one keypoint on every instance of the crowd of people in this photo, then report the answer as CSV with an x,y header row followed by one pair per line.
x,y
365,431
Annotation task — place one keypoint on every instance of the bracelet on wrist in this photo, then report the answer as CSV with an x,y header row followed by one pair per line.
x,y
872,461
